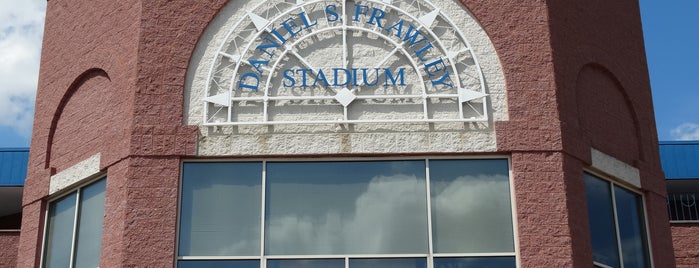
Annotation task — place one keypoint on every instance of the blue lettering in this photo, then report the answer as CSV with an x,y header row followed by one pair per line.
x,y
289,24
332,15
289,78
264,46
354,77
279,36
413,35
421,51
244,78
342,77
359,10
398,26
376,15
257,64
400,75
306,23
320,76
441,80
304,73
364,77
336,74
437,66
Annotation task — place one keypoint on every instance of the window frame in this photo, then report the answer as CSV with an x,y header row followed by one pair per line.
x,y
621,183
77,189
262,257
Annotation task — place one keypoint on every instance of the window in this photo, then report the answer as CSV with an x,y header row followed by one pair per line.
x,y
74,228
617,225
357,214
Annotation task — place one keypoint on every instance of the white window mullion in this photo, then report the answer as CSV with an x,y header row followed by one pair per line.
x,y
513,212
75,228
263,261
429,215
44,241
616,226
647,235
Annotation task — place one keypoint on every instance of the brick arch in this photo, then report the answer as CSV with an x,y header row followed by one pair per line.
x,y
606,114
83,83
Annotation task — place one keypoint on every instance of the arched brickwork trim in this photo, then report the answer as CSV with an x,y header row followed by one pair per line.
x,y
77,83
627,101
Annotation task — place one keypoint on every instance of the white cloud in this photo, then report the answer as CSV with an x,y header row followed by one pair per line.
x,y
21,30
389,216
479,204
686,131
380,218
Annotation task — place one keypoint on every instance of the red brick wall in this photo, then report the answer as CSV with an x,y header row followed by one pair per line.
x,y
552,227
90,78
81,38
86,77
8,249
605,98
576,80
684,239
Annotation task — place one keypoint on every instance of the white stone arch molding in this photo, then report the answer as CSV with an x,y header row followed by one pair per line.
x,y
337,61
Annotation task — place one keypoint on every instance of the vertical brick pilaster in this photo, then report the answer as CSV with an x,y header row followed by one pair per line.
x,y
661,240
114,241
151,192
141,212
32,232
543,213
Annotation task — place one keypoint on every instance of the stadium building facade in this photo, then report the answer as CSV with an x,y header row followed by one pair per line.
x,y
333,133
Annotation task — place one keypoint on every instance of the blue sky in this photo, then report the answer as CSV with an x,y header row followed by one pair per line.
x,y
671,31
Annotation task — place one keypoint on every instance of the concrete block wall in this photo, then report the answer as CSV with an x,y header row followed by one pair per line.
x,y
684,236
8,248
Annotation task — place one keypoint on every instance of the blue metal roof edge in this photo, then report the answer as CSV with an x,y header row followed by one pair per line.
x,y
680,159
13,166
690,142
14,149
